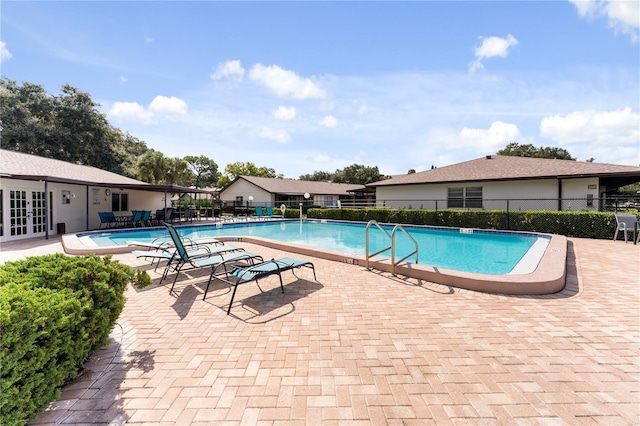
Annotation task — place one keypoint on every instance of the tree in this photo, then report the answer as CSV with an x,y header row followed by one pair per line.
x,y
514,149
67,127
239,168
153,167
204,169
357,174
317,176
27,117
411,171
178,173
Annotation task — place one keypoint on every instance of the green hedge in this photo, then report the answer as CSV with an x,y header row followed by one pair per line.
x,y
54,312
598,225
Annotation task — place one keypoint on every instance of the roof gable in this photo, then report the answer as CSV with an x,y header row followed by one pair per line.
x,y
503,167
293,186
26,166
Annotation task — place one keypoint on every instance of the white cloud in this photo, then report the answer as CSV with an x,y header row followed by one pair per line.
x,y
123,79
285,83
321,158
283,113
278,135
499,134
134,112
231,69
165,105
490,48
130,111
623,15
5,55
610,128
148,40
329,121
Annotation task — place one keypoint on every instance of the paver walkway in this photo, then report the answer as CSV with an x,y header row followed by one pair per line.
x,y
359,347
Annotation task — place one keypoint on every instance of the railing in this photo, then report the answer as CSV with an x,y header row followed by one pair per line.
x,y
384,231
392,247
613,204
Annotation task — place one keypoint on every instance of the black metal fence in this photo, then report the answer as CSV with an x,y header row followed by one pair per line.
x,y
576,217
609,204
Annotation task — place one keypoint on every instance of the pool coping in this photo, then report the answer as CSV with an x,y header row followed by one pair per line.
x,y
547,278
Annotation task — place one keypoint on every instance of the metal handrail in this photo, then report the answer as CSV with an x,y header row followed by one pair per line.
x,y
367,255
393,247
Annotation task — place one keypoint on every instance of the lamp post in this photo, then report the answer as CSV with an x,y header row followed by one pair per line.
x,y
306,197
249,205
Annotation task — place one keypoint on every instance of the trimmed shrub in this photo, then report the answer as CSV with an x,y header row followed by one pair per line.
x,y
600,225
54,311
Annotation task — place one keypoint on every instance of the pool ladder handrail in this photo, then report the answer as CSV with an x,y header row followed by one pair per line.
x,y
392,247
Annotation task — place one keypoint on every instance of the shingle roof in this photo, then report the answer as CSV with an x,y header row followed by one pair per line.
x,y
291,186
27,166
501,167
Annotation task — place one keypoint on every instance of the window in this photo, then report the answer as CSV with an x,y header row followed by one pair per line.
x,y
455,198
473,199
239,200
464,197
119,202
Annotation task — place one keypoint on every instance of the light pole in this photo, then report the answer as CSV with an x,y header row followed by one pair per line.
x,y
306,197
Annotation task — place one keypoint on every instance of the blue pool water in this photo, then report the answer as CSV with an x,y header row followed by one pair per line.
x,y
483,252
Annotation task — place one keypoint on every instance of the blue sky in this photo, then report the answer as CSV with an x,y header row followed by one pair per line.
x,y
306,86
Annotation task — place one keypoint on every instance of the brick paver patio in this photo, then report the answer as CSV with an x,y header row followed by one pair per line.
x,y
360,347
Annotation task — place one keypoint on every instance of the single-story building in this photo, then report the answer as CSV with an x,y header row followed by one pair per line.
x,y
41,196
290,192
493,181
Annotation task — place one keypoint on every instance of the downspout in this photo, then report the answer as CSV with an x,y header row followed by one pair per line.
x,y
559,194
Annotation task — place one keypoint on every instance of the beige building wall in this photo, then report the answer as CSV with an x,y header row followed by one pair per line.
x,y
244,189
73,205
534,194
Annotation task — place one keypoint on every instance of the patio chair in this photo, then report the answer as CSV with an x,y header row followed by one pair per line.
x,y
270,213
259,213
217,257
627,223
145,220
136,218
108,219
261,270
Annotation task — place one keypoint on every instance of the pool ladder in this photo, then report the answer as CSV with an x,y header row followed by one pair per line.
x,y
392,247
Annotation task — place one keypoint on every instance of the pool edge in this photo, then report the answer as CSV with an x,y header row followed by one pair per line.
x,y
549,277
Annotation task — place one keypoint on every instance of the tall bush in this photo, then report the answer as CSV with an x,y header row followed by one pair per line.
x,y
54,311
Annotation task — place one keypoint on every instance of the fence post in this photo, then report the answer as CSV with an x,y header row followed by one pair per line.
x,y
508,219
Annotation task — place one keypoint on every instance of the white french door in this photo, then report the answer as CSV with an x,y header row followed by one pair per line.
x,y
27,213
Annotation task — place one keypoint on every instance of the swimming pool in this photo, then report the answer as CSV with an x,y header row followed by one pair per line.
x,y
474,251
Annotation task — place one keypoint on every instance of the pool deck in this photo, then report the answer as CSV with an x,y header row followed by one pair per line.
x,y
359,348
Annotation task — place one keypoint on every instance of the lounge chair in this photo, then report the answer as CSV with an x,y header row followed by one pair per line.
x,y
162,244
108,219
627,223
259,213
159,250
217,257
261,270
270,213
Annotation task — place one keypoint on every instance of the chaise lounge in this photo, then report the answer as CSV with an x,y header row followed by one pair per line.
x,y
242,275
